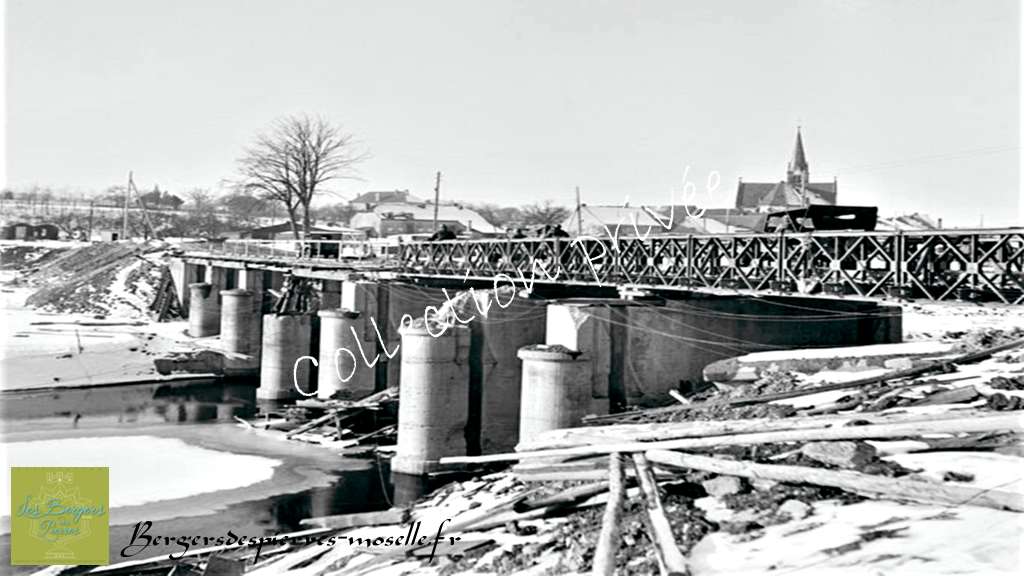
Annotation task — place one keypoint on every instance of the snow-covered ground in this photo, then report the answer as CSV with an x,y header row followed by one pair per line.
x,y
938,320
41,349
872,537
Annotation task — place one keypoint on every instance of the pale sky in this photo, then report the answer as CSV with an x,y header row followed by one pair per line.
x,y
913,105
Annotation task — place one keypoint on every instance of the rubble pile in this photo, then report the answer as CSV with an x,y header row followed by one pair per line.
x,y
21,256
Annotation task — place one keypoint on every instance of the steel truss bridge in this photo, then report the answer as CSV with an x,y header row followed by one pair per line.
x,y
976,265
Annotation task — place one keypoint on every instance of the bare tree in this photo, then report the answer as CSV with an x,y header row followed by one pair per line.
x,y
291,162
200,200
546,213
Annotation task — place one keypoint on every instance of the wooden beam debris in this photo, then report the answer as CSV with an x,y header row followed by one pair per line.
x,y
585,435
991,422
856,482
389,516
346,411
670,559
608,539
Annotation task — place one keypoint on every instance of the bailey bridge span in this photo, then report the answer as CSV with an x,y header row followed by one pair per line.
x,y
981,265
589,326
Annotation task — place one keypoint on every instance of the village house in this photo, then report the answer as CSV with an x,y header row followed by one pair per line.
x,y
367,200
402,218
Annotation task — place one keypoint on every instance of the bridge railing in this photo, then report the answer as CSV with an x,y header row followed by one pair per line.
x,y
373,249
934,265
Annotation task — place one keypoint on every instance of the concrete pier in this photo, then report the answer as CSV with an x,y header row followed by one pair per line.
x,y
556,389
240,331
330,294
342,336
640,350
501,325
252,280
384,304
286,338
184,274
219,277
204,310
434,410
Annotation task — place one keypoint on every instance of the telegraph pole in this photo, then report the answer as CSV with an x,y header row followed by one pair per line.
x,y
579,213
124,225
437,197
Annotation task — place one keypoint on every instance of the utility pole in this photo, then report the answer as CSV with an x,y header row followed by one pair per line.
x,y
437,197
89,237
149,230
579,213
124,225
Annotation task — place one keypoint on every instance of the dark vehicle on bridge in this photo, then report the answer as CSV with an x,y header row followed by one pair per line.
x,y
821,217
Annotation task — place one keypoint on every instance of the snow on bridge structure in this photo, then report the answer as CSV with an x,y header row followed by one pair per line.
x,y
975,265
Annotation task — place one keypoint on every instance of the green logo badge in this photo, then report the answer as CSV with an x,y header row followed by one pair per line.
x,y
60,516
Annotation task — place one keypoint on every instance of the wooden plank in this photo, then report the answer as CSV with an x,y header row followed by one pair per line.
x,y
855,482
584,435
989,423
389,516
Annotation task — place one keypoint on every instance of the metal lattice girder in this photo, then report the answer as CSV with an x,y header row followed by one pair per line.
x,y
936,265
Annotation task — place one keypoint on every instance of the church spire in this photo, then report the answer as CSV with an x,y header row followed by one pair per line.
x,y
798,172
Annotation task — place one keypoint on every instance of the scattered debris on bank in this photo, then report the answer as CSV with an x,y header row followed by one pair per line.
x,y
353,427
892,460
856,467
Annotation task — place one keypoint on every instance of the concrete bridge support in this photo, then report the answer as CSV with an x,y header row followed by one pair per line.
x,y
641,350
342,344
184,274
252,280
434,410
382,306
240,327
219,278
556,389
286,338
204,310
330,294
501,325
586,328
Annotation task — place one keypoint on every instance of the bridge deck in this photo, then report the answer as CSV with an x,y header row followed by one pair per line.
x,y
985,265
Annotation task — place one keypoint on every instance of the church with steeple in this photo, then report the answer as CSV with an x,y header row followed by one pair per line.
x,y
795,191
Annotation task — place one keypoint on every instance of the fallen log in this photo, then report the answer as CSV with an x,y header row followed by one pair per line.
x,y
990,423
855,482
670,559
608,539
935,366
